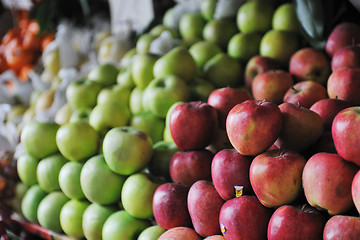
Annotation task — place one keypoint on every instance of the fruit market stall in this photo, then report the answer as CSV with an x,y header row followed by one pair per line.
x,y
192,119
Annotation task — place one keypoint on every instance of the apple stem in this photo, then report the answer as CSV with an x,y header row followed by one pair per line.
x,y
299,104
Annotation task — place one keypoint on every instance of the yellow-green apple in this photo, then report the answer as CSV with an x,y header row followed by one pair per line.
x,y
343,34
272,189
124,78
82,93
163,92
178,61
223,70
197,133
348,56
77,140
121,150
127,59
224,99
114,92
149,123
219,31
229,169
151,233
26,169
157,30
244,217
99,183
143,43
135,100
71,216
285,18
179,233
167,133
344,84
346,140
327,108
310,64
355,191
69,180
191,26
142,69
255,16
293,222
121,225
202,51
81,114
170,206
187,167
258,64
204,204
63,115
271,85
208,8
247,122
300,129
305,93
327,180
137,194
39,138
200,89
279,45
342,227
244,46
30,202
105,74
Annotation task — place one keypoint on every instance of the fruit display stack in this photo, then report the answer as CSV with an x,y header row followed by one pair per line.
x,y
223,121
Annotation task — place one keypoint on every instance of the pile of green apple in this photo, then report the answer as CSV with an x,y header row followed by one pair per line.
x,y
239,131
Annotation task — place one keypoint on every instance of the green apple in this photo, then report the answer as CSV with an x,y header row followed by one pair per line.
x,y
207,8
69,180
26,169
279,45
30,202
254,16
143,43
202,51
137,194
149,123
171,18
124,78
99,183
167,134
135,101
285,18
105,74
82,93
63,115
219,31
77,140
127,150
178,61
48,212
39,138
191,26
127,58
71,216
200,89
114,92
223,70
163,92
151,233
160,28
94,218
81,114
142,69
243,46
121,225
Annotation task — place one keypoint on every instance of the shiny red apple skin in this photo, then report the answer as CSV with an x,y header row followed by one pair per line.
x,y
187,167
253,126
204,204
355,191
342,227
180,233
346,134
348,56
193,125
274,189
327,180
310,64
296,223
244,218
228,169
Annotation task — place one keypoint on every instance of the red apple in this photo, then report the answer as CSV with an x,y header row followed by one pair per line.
x,y
180,233
229,169
346,134
271,85
274,189
258,64
215,237
355,191
344,84
244,218
296,223
193,125
305,93
253,126
344,34
204,204
327,108
310,64
348,56
301,127
224,99
342,227
327,180
170,206
187,167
